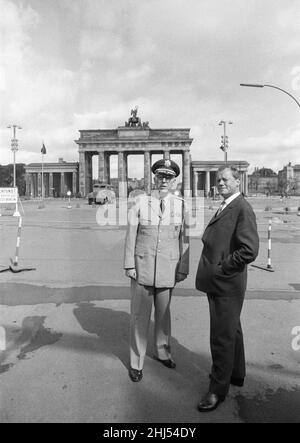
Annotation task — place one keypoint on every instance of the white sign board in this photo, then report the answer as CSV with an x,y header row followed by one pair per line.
x,y
8,195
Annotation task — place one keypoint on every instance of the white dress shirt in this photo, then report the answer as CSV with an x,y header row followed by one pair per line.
x,y
228,200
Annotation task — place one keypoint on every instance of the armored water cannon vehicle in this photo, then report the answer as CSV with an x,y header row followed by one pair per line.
x,y
102,193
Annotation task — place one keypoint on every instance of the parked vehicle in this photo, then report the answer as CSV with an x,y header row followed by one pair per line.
x,y
102,193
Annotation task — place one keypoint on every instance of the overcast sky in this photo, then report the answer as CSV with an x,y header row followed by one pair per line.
x,y
84,64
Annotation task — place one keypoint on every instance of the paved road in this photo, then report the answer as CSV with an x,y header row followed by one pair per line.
x,y
66,329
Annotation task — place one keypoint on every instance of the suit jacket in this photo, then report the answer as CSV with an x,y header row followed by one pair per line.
x,y
155,243
230,242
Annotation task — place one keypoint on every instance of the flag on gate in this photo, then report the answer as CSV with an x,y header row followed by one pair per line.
x,y
43,150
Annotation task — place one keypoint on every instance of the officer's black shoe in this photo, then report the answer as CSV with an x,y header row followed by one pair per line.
x,y
135,374
169,363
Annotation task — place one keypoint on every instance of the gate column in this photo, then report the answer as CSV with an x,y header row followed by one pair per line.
x,y
147,172
186,165
121,176
82,174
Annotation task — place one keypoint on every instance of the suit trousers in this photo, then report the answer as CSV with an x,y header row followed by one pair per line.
x,y
142,298
226,342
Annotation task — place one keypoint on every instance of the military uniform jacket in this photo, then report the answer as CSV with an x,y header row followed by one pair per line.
x,y
230,242
155,243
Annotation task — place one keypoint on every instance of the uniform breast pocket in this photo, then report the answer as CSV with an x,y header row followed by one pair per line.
x,y
145,221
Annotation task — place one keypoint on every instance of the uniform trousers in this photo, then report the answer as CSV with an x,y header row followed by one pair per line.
x,y
142,298
226,342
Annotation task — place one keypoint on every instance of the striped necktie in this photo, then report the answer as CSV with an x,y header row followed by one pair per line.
x,y
221,207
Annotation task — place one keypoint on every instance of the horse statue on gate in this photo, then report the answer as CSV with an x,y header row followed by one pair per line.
x,y
134,120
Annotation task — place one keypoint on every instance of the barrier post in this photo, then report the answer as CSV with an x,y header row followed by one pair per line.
x,y
15,263
69,197
269,265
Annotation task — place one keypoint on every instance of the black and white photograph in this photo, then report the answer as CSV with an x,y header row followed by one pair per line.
x,y
149,214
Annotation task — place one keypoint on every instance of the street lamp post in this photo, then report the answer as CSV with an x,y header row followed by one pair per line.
x,y
224,139
14,147
258,85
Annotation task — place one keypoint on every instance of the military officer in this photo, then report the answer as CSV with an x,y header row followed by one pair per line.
x,y
156,258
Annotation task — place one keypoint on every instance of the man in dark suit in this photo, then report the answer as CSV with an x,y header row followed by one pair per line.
x,y
230,242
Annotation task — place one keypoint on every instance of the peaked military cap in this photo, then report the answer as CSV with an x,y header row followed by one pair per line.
x,y
166,166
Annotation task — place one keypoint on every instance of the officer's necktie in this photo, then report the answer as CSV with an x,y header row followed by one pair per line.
x,y
221,207
162,205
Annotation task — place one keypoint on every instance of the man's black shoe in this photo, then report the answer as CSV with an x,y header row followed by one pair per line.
x,y
210,402
135,374
169,363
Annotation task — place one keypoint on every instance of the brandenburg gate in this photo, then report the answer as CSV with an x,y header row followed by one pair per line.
x,y
135,137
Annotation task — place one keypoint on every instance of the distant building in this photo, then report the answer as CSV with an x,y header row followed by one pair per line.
x,y
289,180
58,178
204,175
134,138
263,180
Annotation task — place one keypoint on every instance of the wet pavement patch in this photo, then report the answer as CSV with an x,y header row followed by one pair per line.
x,y
21,294
39,335
276,366
281,406
26,339
16,294
296,286
5,368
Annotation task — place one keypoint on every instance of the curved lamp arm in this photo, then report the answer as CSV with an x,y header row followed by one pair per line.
x,y
252,85
275,87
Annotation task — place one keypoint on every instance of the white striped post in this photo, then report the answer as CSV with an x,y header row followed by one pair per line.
x,y
269,265
18,242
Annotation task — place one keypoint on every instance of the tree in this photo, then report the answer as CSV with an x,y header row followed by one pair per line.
x,y
7,177
269,188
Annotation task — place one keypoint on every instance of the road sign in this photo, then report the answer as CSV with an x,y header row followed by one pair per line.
x,y
8,195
